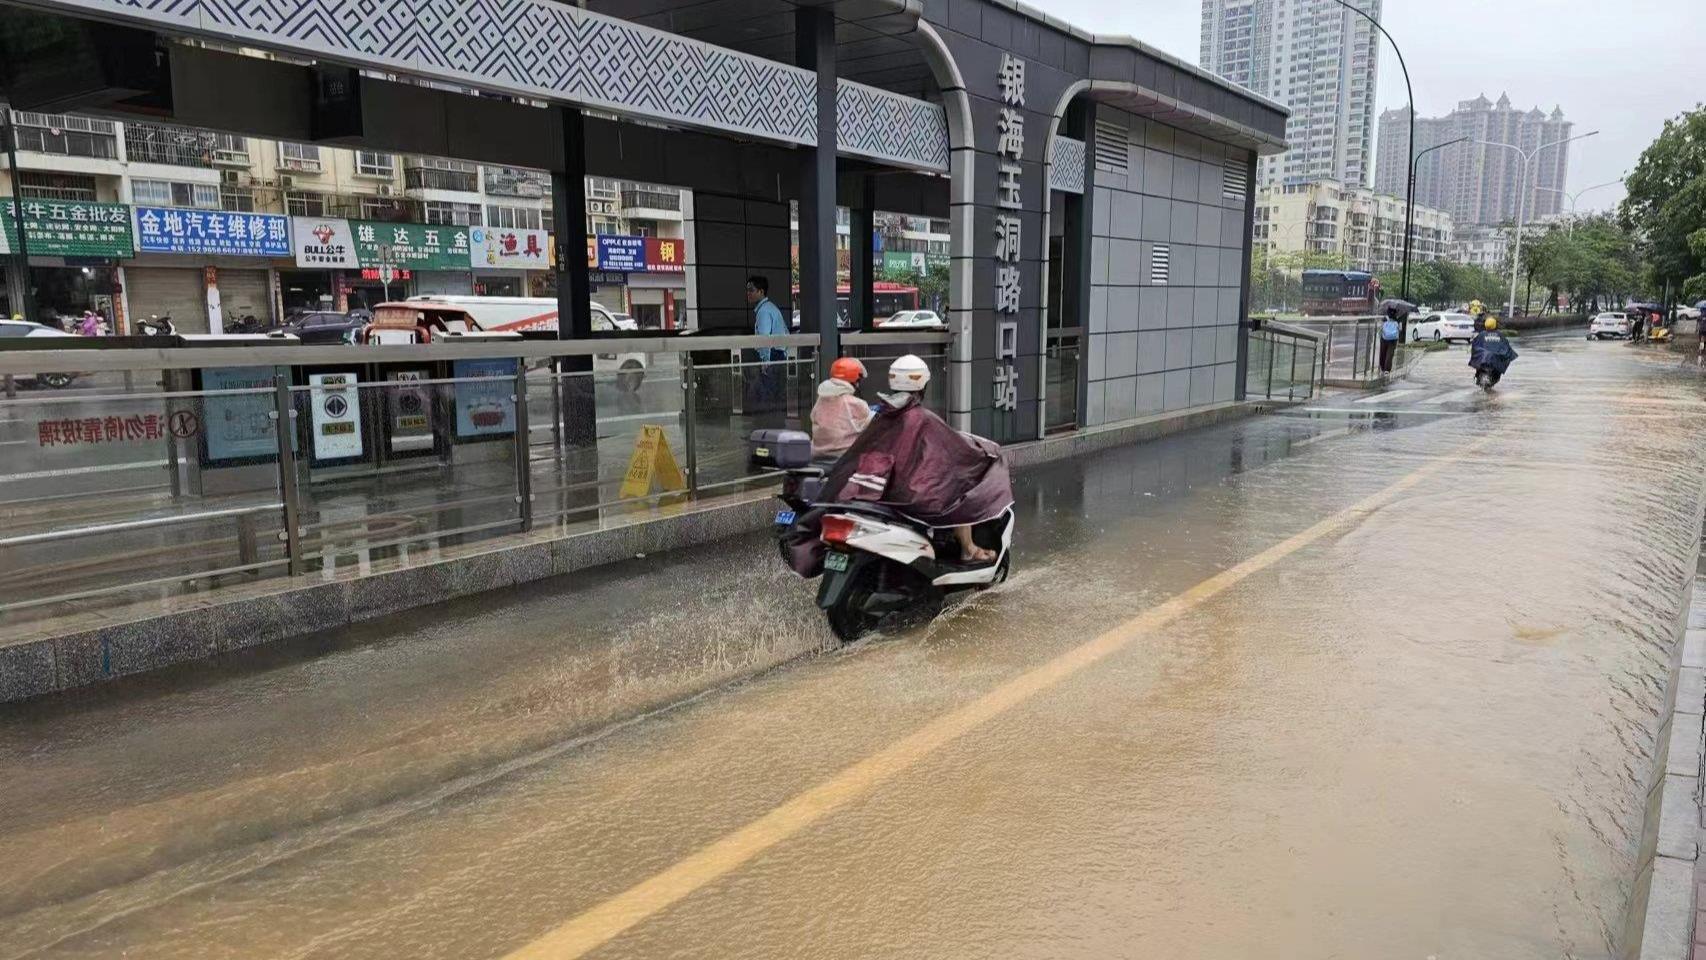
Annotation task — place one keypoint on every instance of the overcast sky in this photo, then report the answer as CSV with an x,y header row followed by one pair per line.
x,y
1617,66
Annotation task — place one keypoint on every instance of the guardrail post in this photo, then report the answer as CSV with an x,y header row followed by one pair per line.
x,y
1273,347
523,449
689,427
284,428
1291,382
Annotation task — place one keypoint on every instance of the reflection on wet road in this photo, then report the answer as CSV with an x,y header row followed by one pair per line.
x,y
1382,678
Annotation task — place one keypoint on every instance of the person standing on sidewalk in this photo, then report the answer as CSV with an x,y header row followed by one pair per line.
x,y
1392,329
766,322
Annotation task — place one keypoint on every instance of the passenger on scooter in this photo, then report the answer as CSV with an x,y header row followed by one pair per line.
x,y
909,459
839,415
1490,353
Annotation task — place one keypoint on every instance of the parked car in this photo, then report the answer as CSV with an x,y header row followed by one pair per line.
x,y
1691,313
624,321
16,329
913,320
460,316
1449,327
1614,326
323,328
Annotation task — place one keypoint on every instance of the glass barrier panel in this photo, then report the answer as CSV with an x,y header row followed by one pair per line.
x,y
111,497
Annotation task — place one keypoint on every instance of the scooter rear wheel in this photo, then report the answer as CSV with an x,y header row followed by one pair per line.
x,y
847,619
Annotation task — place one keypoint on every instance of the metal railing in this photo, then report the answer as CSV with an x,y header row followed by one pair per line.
x,y
1350,350
1282,363
164,471
178,146
650,200
434,178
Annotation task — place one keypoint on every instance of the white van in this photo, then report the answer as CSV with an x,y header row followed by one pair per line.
x,y
516,314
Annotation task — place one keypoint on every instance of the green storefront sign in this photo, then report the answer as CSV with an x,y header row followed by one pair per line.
x,y
62,228
413,246
917,263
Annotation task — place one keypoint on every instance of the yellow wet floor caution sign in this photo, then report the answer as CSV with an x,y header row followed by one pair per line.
x,y
652,464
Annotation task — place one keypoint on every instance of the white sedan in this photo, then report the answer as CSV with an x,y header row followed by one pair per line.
x,y
1444,326
1613,325
913,320
12,329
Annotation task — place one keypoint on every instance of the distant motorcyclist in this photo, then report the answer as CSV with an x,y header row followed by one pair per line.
x,y
839,415
1490,354
910,460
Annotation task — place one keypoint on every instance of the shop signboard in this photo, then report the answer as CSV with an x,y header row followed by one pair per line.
x,y
485,408
238,428
414,246
666,255
323,242
212,232
334,412
410,412
626,254
502,248
63,228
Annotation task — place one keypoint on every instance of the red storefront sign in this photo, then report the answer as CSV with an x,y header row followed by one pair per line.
x,y
372,273
666,255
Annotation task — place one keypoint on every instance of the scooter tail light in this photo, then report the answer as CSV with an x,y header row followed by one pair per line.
x,y
838,529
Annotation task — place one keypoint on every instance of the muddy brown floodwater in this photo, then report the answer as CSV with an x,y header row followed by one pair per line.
x,y
1422,733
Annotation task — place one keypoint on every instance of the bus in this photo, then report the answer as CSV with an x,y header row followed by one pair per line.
x,y
1339,293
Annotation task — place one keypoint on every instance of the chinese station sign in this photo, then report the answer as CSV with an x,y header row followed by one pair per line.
x,y
70,229
1009,150
415,246
211,232
500,248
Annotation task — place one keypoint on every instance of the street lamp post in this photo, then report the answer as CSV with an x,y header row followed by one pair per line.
x,y
1522,195
1410,189
1573,197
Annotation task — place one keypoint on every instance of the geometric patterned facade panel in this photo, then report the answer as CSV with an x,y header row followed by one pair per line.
x,y
887,126
551,50
1066,165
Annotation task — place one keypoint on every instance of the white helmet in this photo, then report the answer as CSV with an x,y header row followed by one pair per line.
x,y
908,374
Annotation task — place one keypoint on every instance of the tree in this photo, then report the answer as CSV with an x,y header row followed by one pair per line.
x,y
1666,203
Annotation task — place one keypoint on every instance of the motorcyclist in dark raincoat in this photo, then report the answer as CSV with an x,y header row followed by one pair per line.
x,y
1490,353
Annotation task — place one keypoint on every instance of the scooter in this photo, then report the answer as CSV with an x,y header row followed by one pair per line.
x,y
156,326
1486,378
880,567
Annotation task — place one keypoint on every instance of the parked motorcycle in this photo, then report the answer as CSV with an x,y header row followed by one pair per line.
x,y
880,568
156,326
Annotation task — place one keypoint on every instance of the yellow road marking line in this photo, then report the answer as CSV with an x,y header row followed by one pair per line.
x,y
610,919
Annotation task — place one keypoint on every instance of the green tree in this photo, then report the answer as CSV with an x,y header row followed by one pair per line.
x,y
1666,203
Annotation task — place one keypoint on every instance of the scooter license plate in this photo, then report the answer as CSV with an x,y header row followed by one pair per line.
x,y
835,561
785,518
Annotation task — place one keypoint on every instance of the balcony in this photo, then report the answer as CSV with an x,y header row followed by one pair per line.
x,y
66,136
230,150
516,182
651,204
174,146
435,178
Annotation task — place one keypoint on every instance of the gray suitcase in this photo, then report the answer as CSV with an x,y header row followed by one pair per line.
x,y
784,449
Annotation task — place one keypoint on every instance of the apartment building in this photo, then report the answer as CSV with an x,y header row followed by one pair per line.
x,y
179,210
1365,228
1315,57
1477,183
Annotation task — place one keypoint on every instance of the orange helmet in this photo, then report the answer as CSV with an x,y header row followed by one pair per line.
x,y
848,369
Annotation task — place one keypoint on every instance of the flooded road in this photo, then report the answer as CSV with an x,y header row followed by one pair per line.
x,y
1377,677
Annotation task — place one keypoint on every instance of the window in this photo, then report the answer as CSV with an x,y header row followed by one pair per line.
x,y
375,164
239,199
456,214
375,208
56,186
230,148
299,156
305,204
516,218
168,193
603,225
65,135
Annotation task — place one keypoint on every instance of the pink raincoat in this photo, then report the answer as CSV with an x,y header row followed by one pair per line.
x,y
837,418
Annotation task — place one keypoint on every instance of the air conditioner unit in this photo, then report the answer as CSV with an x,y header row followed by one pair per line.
x,y
231,178
286,183
387,190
